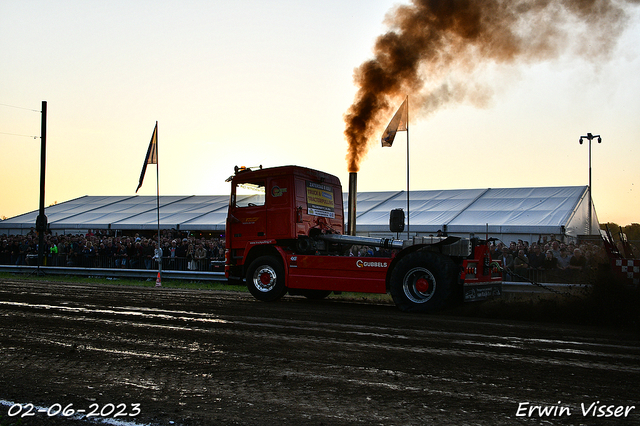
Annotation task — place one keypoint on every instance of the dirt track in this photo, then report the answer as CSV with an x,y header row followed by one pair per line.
x,y
205,358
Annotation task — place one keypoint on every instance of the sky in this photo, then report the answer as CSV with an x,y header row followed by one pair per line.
x,y
249,82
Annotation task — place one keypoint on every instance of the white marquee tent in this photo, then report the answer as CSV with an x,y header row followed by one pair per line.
x,y
506,213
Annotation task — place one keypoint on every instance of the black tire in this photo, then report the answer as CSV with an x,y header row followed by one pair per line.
x,y
265,279
422,281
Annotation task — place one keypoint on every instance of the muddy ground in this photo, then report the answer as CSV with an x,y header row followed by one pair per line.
x,y
192,357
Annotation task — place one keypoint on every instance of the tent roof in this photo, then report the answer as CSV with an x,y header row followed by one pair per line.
x,y
504,210
136,212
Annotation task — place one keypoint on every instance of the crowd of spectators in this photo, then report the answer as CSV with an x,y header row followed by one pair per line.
x,y
548,260
103,250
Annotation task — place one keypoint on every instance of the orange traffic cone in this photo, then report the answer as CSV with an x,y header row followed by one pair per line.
x,y
158,281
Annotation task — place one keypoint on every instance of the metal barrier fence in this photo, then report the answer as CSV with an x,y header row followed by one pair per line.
x,y
126,262
566,276
115,273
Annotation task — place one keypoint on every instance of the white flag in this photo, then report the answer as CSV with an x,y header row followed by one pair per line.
x,y
397,124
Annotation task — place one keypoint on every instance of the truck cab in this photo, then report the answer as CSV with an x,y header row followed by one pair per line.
x,y
280,205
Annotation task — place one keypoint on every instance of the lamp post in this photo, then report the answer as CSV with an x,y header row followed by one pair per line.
x,y
590,137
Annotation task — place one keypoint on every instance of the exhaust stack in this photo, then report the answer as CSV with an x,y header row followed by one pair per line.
x,y
353,190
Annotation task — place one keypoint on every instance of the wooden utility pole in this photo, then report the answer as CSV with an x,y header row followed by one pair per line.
x,y
41,221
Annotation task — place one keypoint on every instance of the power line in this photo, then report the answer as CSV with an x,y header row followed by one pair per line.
x,y
17,107
26,109
16,134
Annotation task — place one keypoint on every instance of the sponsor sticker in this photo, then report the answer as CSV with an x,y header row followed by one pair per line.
x,y
363,264
320,200
276,191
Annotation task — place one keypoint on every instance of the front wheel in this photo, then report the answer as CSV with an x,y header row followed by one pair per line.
x,y
422,281
265,279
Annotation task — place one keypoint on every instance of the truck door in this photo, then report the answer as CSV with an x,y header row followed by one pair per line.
x,y
280,208
247,215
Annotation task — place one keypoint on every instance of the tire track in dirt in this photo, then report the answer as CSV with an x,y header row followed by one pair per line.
x,y
199,357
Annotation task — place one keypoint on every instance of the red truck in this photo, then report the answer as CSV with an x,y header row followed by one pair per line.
x,y
290,237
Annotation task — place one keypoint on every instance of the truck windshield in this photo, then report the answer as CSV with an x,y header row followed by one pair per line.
x,y
250,194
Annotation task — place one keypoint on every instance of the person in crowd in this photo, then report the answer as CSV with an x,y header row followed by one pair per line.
x,y
520,265
14,250
112,244
147,253
507,262
157,253
132,254
63,251
5,252
200,256
183,248
23,250
190,257
121,255
563,265
493,251
550,263
172,254
577,262
536,257
595,256
88,254
213,250
55,253
550,266
542,240
77,245
563,259
103,255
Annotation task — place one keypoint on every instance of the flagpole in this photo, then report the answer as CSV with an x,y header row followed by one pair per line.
x,y
408,212
159,279
400,122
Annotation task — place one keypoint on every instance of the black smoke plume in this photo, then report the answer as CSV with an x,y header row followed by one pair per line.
x,y
434,48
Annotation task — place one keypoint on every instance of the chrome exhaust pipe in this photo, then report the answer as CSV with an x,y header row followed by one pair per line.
x,y
353,191
388,243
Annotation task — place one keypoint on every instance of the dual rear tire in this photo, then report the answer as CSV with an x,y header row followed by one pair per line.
x,y
423,281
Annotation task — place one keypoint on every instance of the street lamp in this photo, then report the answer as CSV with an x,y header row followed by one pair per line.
x,y
590,137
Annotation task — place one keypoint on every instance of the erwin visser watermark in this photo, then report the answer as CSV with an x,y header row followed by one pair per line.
x,y
592,409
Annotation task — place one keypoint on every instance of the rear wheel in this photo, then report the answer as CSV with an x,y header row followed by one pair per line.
x,y
265,279
422,281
